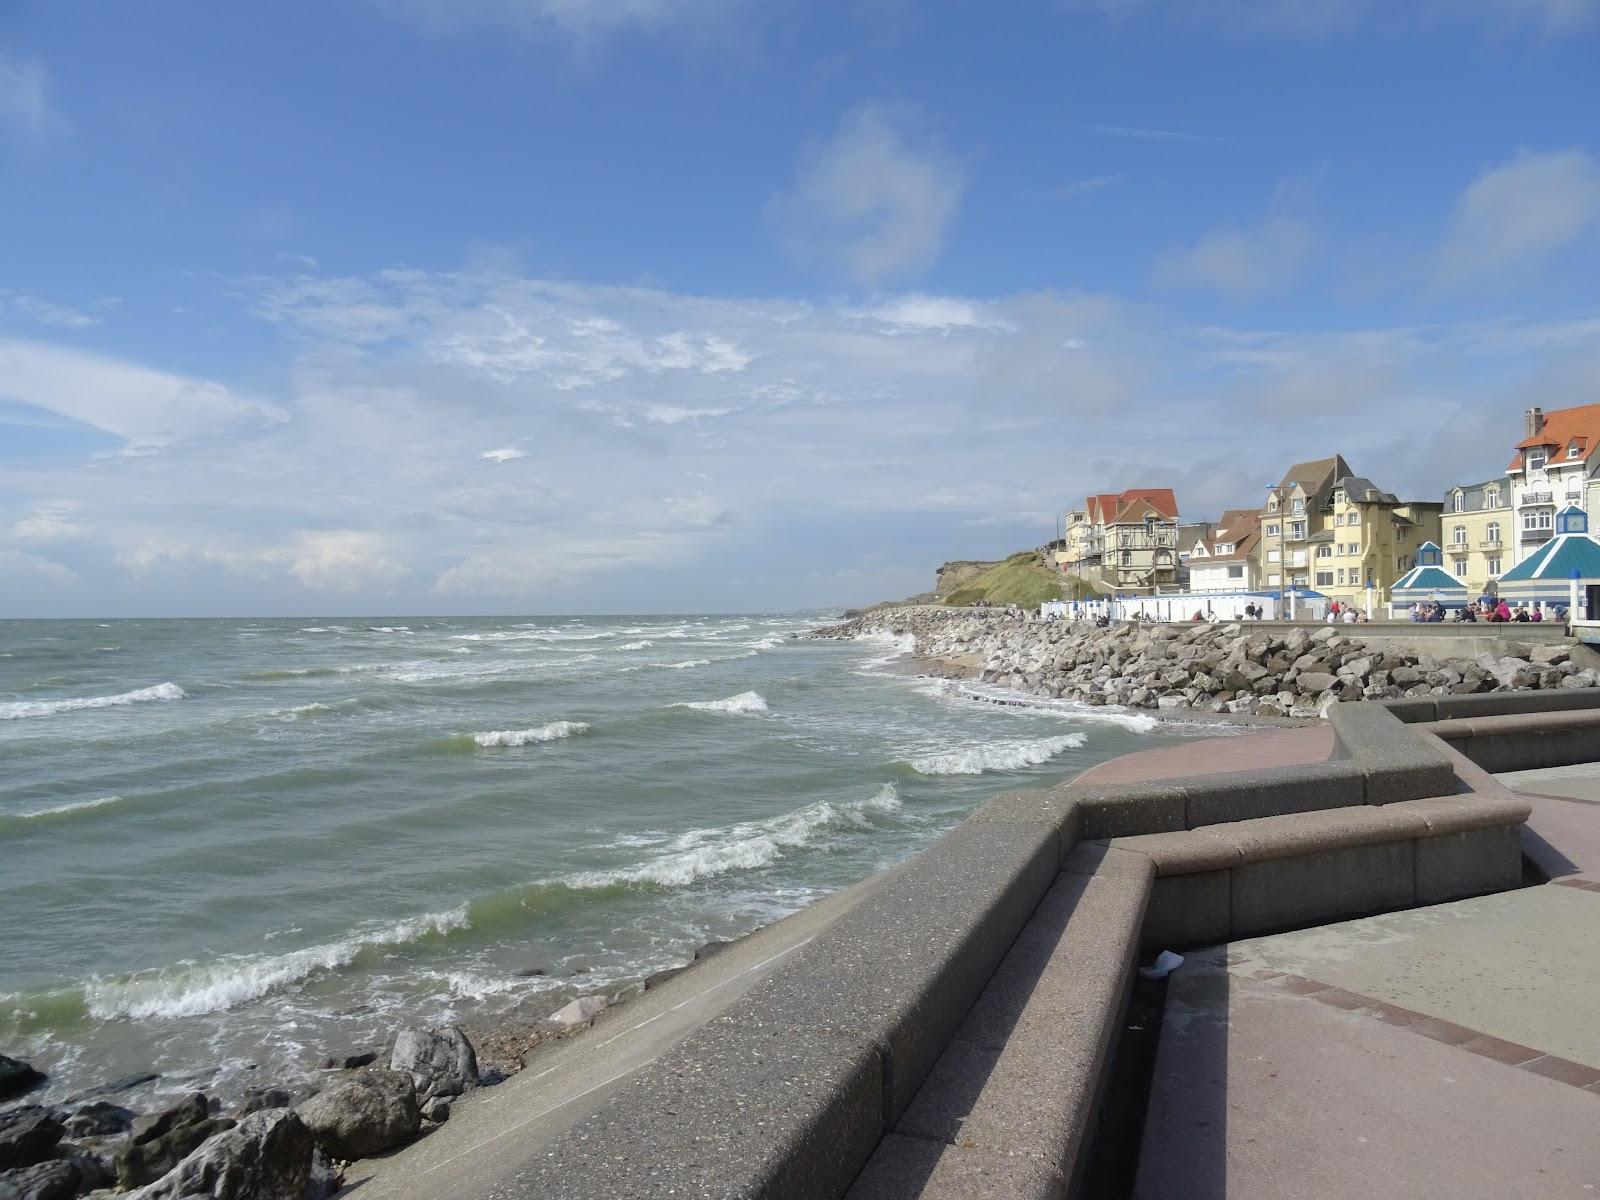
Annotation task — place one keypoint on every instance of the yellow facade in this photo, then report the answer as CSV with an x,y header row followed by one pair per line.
x,y
1373,538
1477,533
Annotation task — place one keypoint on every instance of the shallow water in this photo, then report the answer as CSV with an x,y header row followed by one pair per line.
x,y
230,847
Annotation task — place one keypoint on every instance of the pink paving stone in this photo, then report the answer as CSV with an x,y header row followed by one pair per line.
x,y
1218,756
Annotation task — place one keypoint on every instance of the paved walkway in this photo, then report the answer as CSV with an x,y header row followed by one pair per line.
x,y
1217,756
1450,1051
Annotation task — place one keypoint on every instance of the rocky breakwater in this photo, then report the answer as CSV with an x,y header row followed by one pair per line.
x,y
1234,668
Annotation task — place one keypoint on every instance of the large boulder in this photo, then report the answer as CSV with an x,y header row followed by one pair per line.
x,y
53,1180
1312,682
440,1061
99,1118
28,1135
372,1112
17,1077
160,1141
267,1156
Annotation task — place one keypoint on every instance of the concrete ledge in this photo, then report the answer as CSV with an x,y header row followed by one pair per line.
x,y
1189,910
1471,862
1242,795
1051,808
909,1166
900,973
1523,740
1489,704
736,1109
1119,809
1396,764
1284,892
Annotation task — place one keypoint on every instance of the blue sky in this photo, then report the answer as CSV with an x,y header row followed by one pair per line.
x,y
570,305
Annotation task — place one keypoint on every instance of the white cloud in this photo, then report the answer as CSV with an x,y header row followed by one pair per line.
x,y
581,21
875,201
25,100
342,560
1241,262
1518,213
48,522
1314,18
22,569
503,454
45,312
146,408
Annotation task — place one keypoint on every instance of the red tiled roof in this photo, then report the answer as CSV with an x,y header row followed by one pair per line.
x,y
1564,428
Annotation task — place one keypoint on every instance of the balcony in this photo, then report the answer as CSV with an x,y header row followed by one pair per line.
x,y
1538,498
1491,544
1538,535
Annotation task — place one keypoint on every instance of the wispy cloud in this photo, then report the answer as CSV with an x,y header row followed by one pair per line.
x,y
1318,18
1517,215
874,201
1241,263
45,312
583,22
1087,187
1137,133
26,102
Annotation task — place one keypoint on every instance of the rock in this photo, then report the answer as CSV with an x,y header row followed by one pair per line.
x,y
267,1156
160,1141
56,1180
580,1012
125,1084
372,1112
659,977
1170,702
257,1099
531,972
17,1077
324,1179
437,1111
99,1118
711,950
95,1170
1312,683
349,1062
28,1135
441,1061
1549,656
1405,676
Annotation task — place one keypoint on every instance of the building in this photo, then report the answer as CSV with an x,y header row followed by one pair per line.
x,y
1555,467
1291,519
1123,542
1226,561
1563,573
1427,583
1369,537
1189,534
1477,532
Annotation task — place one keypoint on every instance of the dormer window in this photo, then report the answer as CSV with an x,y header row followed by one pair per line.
x,y
1458,503
1574,451
1272,504
1299,506
1338,497
1536,461
1491,498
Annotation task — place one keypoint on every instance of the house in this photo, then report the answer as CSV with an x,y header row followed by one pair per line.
x,y
1369,538
1564,572
1290,521
1125,541
1477,532
1226,561
1427,583
1555,468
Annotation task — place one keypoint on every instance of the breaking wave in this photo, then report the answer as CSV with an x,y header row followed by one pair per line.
x,y
997,756
228,982
703,853
60,812
744,702
22,709
523,737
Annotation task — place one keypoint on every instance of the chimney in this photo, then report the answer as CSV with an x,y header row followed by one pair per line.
x,y
1532,422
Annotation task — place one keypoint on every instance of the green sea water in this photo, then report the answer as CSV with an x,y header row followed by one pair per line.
x,y
229,847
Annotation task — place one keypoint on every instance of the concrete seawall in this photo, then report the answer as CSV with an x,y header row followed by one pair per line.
x,y
953,1031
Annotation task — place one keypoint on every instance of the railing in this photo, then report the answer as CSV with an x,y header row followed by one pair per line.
x,y
1538,497
1538,535
1490,544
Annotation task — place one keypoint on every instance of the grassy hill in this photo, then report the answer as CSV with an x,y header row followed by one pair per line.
x,y
1024,579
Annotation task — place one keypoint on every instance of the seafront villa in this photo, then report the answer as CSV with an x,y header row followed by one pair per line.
x,y
1331,536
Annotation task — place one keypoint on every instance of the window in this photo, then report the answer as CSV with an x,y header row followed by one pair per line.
x,y
1272,531
1536,462
1405,533
1458,535
1127,558
1574,451
1297,529
1299,557
1458,503
1273,580
1299,506
1340,573
1273,556
1225,548
1494,564
1272,504
1338,497
1325,551
1491,498
1235,571
1355,548
1534,521
1324,578
1461,567
1491,531
1401,564
1338,518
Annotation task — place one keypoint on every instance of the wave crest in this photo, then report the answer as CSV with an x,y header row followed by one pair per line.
x,y
744,702
524,737
22,709
997,756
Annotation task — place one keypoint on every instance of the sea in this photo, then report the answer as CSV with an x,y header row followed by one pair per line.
x,y
231,847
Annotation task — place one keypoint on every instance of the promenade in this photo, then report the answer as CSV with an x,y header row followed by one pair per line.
x,y
1449,1051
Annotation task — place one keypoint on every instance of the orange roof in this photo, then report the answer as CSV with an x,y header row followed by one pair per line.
x,y
1108,507
1564,428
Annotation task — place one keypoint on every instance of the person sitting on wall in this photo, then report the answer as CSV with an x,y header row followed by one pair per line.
x,y
1537,614
1502,611
1350,617
1521,613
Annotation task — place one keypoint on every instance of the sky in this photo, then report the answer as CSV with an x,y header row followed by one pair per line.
x,y
551,306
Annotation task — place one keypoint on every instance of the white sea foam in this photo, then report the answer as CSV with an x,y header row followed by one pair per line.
x,y
75,806
899,645
744,702
1103,714
684,665
524,737
1009,755
636,645
702,853
46,708
186,991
